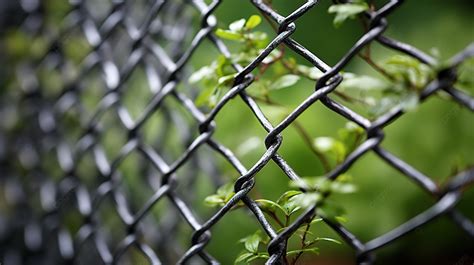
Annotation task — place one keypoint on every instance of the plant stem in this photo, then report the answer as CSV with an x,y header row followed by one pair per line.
x,y
277,220
302,131
303,243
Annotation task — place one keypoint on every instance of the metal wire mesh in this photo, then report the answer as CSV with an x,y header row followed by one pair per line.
x,y
55,214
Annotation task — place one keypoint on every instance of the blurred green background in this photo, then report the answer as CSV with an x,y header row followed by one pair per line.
x,y
436,139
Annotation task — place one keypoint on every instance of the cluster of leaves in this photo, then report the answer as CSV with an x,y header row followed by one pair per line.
x,y
347,10
282,211
336,149
403,77
220,73
291,202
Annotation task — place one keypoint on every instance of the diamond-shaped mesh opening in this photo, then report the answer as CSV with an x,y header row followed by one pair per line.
x,y
113,230
383,194
452,155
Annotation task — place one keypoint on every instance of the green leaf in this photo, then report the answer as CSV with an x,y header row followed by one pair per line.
x,y
345,11
258,256
214,200
272,56
362,82
340,187
409,71
249,146
259,41
228,35
351,136
302,201
320,183
204,97
220,65
243,257
312,73
330,210
253,21
341,219
226,80
353,128
305,250
267,205
316,220
284,81
330,145
226,190
222,196
251,242
403,60
325,239
410,102
383,106
202,73
237,26
286,196
285,202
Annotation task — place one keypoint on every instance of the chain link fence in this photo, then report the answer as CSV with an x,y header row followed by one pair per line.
x,y
59,184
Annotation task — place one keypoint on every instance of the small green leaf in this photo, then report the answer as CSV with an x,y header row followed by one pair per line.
x,y
316,220
249,146
320,184
303,201
284,81
341,219
258,256
214,200
345,11
228,35
362,82
330,210
340,187
312,73
267,205
410,102
272,56
287,204
226,80
253,21
202,73
314,250
226,190
286,196
330,145
204,97
237,26
244,257
324,144
353,128
251,242
409,71
325,239
220,65
382,106
222,196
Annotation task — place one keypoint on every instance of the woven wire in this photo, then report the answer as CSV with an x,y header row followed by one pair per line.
x,y
60,130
